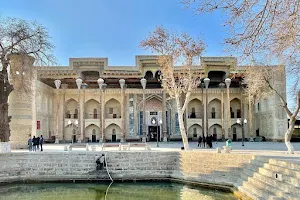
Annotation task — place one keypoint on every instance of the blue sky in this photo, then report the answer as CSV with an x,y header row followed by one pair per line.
x,y
113,28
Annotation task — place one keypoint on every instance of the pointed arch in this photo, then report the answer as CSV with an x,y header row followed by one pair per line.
x,y
112,109
216,131
195,109
113,130
214,107
89,107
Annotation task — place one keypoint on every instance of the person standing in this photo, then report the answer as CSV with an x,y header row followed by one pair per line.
x,y
204,141
30,144
199,141
38,143
34,143
41,142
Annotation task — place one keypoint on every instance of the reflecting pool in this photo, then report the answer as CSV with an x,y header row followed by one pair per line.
x,y
116,191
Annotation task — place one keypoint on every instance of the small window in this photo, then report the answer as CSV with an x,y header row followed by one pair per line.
x,y
258,106
213,113
234,130
195,132
238,113
231,112
193,114
76,114
111,110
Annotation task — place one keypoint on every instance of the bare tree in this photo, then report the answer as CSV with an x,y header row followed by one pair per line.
x,y
268,29
260,85
179,82
19,39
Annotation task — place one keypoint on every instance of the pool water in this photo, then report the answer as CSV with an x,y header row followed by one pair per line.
x,y
116,191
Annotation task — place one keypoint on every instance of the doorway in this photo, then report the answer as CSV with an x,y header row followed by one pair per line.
x,y
113,138
93,138
234,137
74,138
153,133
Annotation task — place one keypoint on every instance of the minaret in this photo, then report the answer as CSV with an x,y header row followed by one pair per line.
x,y
22,100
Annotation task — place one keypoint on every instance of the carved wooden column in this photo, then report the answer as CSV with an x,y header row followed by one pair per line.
x,y
164,124
122,84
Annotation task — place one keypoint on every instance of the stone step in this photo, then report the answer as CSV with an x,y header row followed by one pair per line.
x,y
284,164
262,193
280,177
259,184
291,172
250,193
285,187
272,190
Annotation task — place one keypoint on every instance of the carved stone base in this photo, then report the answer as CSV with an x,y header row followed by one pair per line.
x,y
144,139
165,139
4,147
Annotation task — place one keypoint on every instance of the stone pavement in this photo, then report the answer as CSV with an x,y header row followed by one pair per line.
x,y
256,148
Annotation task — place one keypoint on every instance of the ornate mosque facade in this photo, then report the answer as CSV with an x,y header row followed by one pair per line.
x,y
127,103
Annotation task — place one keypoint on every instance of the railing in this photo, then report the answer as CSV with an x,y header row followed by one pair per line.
x,y
71,116
92,116
112,116
195,115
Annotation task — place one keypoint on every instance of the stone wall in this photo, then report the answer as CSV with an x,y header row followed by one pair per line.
x,y
186,165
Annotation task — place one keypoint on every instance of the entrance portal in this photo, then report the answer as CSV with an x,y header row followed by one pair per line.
x,y
114,138
153,132
93,138
74,138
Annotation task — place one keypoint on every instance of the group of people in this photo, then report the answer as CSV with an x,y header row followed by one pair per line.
x,y
35,143
205,141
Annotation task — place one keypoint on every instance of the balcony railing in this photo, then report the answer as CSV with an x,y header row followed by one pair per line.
x,y
195,115
92,116
71,116
112,116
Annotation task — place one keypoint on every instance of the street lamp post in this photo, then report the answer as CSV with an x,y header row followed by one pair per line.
x,y
57,85
73,123
144,82
242,122
155,122
102,87
227,82
78,83
202,99
206,83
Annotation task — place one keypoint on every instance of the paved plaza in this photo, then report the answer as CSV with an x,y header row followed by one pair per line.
x,y
258,148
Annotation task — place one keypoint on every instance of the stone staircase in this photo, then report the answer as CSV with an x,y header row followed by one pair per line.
x,y
270,179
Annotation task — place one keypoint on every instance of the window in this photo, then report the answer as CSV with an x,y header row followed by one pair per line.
x,y
234,130
193,114
213,113
238,113
232,113
195,132
76,114
110,110
68,115
95,113
258,107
